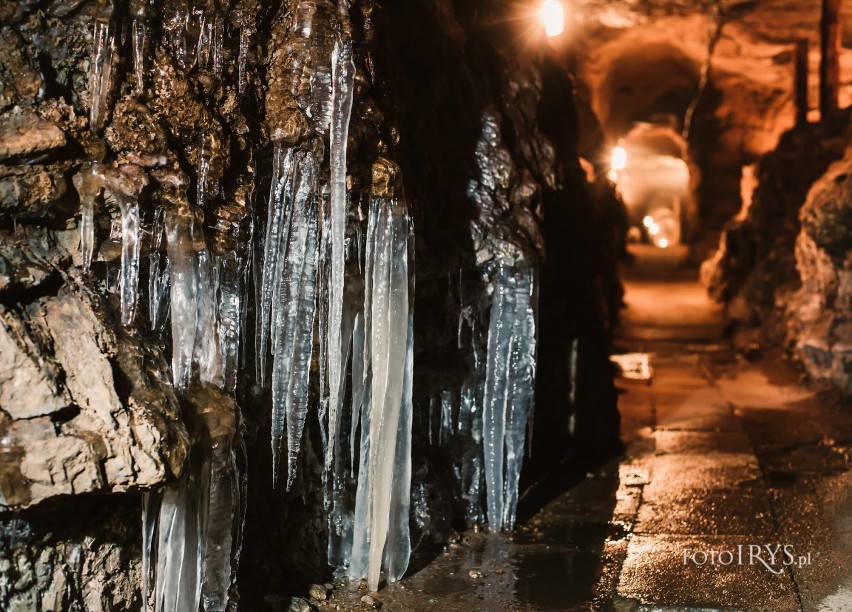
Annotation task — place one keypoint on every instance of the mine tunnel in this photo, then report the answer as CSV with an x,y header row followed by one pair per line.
x,y
425,305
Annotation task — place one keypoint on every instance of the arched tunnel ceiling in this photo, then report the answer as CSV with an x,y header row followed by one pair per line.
x,y
637,57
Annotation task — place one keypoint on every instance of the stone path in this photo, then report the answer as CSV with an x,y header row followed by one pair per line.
x,y
722,455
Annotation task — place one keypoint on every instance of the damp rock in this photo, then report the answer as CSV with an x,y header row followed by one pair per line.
x,y
318,592
26,134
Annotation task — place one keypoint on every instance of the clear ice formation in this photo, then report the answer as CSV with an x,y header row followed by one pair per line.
x,y
280,192
158,274
485,423
183,293
229,271
288,297
343,76
100,72
88,187
509,386
221,494
380,533
123,186
137,9
292,317
194,523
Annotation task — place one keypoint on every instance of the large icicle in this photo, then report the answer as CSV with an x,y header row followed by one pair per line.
x,y
521,389
497,391
100,72
294,306
381,513
280,193
343,75
509,387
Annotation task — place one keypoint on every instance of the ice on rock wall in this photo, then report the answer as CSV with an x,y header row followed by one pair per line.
x,y
381,537
100,71
191,554
123,186
88,187
484,424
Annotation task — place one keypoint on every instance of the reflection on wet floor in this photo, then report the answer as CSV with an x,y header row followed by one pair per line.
x,y
722,454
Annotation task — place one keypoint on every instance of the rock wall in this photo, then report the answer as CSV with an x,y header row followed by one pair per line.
x,y
820,313
780,262
483,134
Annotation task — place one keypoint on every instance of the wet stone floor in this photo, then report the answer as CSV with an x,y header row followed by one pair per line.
x,y
728,461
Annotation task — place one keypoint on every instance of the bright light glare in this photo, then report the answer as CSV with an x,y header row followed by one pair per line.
x,y
663,243
553,17
648,221
653,229
619,158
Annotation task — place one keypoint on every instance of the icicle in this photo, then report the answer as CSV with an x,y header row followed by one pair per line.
x,y
180,546
343,74
509,389
205,187
100,72
230,306
219,415
88,187
129,260
207,350
137,11
497,392
381,513
280,193
242,58
294,304
521,388
150,509
125,185
158,274
184,294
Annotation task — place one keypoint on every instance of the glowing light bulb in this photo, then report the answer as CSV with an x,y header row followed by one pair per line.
x,y
653,229
619,158
648,221
553,17
663,243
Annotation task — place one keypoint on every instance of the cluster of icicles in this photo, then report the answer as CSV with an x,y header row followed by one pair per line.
x,y
340,264
485,420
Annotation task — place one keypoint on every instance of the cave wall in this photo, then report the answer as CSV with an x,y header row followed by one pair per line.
x,y
484,135
770,271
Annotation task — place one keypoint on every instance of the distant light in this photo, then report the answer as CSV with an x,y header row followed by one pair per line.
x,y
648,221
619,158
663,243
654,229
553,17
